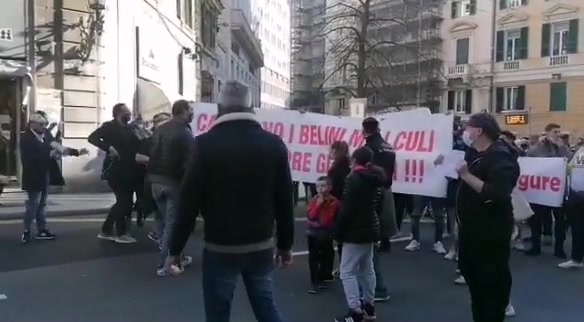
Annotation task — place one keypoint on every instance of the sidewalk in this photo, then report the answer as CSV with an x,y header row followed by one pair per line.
x,y
58,204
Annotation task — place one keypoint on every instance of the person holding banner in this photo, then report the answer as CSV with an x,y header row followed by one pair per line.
x,y
488,176
549,147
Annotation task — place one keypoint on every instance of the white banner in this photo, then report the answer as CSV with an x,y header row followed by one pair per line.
x,y
418,139
543,180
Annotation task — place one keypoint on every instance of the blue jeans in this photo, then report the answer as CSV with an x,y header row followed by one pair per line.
x,y
166,198
220,274
36,209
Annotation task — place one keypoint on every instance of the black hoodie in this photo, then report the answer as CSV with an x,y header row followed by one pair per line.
x,y
486,218
358,221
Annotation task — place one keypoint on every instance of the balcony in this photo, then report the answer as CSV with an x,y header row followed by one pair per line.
x,y
241,30
458,70
559,60
511,65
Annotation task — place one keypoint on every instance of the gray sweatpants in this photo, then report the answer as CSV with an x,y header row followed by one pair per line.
x,y
357,270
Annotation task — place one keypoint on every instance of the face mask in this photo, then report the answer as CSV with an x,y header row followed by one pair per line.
x,y
467,139
126,118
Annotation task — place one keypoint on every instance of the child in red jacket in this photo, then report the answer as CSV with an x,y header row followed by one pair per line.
x,y
322,211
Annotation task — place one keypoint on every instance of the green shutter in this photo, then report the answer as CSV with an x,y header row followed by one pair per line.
x,y
558,96
454,9
502,4
499,99
468,102
500,54
573,37
545,39
520,102
524,2
473,7
524,46
462,48
450,100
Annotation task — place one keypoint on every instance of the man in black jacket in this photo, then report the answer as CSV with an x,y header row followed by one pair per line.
x,y
485,215
239,180
120,170
170,150
384,157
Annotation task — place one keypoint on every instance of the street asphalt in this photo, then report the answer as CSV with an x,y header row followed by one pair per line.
x,y
79,278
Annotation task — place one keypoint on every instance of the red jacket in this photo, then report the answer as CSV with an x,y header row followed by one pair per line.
x,y
323,215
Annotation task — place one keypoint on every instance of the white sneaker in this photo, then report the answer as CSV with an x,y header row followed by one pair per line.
x,y
518,245
103,236
186,261
571,264
413,246
452,254
125,239
173,271
510,311
439,248
460,280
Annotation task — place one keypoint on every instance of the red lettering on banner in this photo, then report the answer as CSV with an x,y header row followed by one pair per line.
x,y
300,161
320,135
414,141
205,122
542,183
414,171
323,163
356,139
274,127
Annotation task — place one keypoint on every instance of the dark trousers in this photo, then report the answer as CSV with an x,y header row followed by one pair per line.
x,y
403,206
575,213
221,272
321,256
486,271
537,223
121,210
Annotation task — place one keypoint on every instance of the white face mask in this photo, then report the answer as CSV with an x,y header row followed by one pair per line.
x,y
466,138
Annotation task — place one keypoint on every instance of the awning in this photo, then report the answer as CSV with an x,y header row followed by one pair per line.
x,y
154,99
15,68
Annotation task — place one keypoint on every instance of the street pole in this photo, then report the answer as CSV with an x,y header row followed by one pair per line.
x,y
493,56
30,55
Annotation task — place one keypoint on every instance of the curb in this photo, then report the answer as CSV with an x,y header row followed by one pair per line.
x,y
60,213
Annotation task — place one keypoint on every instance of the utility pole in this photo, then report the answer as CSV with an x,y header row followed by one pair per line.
x,y
30,54
493,55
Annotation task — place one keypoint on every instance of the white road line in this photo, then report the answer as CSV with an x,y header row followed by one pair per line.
x,y
396,240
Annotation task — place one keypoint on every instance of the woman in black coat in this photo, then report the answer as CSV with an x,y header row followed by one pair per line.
x,y
338,173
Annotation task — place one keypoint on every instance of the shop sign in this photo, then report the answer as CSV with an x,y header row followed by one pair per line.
x,y
516,119
12,30
148,55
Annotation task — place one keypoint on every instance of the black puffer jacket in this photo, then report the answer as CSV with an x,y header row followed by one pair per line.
x,y
338,174
486,217
170,151
358,220
383,156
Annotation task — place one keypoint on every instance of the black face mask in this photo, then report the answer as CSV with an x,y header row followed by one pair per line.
x,y
125,118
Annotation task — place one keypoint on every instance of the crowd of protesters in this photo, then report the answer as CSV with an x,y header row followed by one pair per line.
x,y
165,172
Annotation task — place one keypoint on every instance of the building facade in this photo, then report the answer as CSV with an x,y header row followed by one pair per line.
x,y
532,75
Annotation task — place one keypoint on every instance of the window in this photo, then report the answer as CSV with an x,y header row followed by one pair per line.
x,y
558,96
559,39
463,8
512,44
460,101
462,47
208,27
510,98
504,4
184,12
235,48
341,103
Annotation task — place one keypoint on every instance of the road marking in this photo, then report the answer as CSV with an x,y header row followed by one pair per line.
x,y
396,240
3,297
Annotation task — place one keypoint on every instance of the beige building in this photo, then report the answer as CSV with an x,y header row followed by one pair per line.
x,y
519,59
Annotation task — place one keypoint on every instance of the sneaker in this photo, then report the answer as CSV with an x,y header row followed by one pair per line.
x,y
445,235
571,264
439,248
368,312
381,296
314,289
451,255
186,261
323,287
351,316
413,246
460,280
510,311
337,273
26,237
104,236
399,236
519,245
457,271
173,271
153,237
329,279
45,235
124,239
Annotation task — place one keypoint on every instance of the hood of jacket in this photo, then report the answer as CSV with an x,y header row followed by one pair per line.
x,y
371,174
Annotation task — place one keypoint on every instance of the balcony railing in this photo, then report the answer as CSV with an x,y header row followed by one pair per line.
x,y
458,70
510,65
559,60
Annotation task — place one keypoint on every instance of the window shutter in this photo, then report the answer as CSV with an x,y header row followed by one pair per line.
x,y
502,4
473,7
573,37
462,48
454,9
181,84
450,100
520,102
558,96
524,47
499,97
468,102
500,56
545,39
524,2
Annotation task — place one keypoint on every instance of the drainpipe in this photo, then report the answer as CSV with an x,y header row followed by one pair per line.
x,y
493,55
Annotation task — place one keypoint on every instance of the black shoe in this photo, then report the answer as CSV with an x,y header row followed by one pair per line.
x,y
26,237
368,311
351,316
45,235
560,253
314,289
533,252
381,296
323,286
